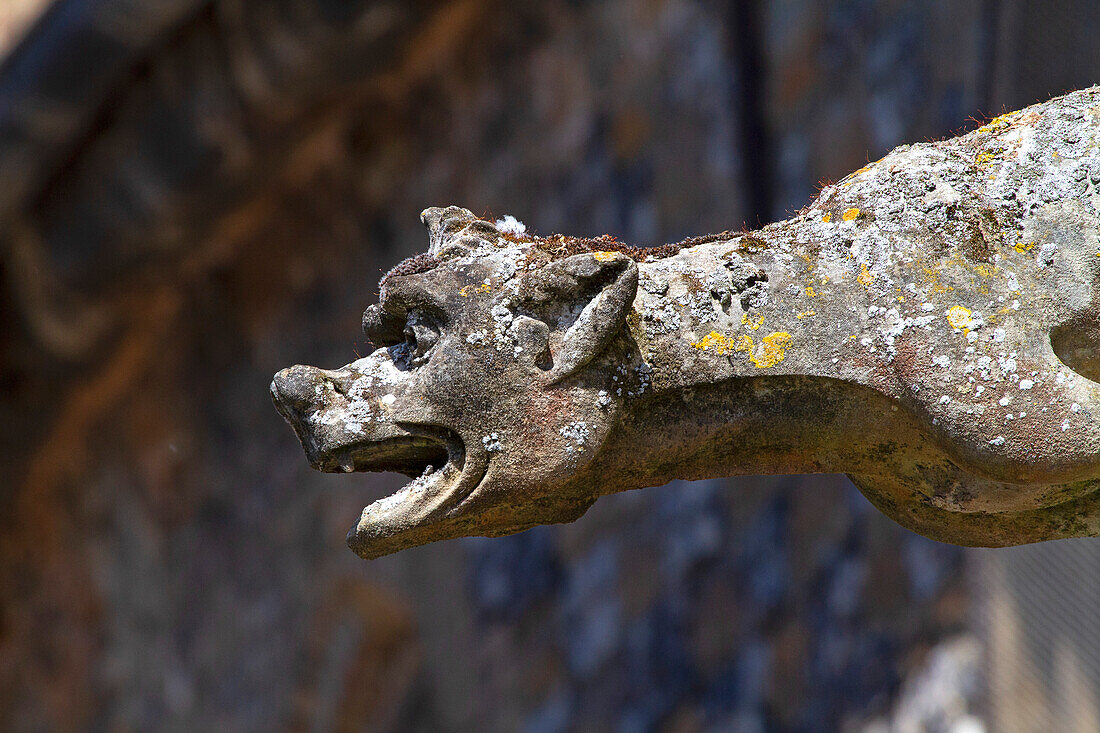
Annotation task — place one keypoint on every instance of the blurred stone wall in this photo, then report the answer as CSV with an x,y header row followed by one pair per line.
x,y
169,561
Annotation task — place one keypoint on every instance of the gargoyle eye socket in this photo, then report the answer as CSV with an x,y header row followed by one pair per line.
x,y
396,326
421,333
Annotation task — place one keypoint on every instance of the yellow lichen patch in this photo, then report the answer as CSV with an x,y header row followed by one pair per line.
x,y
803,314
1024,246
827,218
771,350
958,316
932,278
714,341
850,214
849,180
980,273
864,278
775,349
998,123
984,158
466,291
984,270
810,292
746,321
604,255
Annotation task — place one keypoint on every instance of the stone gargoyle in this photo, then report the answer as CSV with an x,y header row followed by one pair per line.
x,y
928,326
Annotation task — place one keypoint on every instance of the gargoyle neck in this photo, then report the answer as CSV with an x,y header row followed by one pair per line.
x,y
761,304
761,359
758,425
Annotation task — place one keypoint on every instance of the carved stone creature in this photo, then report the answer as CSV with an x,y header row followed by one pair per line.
x,y
929,326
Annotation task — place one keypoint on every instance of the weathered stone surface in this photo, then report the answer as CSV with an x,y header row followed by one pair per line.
x,y
927,326
170,561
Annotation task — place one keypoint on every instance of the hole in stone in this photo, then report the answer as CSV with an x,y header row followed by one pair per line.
x,y
1077,345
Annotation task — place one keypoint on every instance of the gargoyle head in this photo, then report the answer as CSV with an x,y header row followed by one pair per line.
x,y
492,385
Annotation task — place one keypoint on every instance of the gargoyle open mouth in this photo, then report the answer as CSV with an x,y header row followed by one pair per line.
x,y
443,475
414,455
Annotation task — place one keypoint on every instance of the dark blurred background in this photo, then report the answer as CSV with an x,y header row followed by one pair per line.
x,y
194,194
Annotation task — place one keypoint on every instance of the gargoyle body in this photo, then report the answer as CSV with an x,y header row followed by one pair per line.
x,y
929,326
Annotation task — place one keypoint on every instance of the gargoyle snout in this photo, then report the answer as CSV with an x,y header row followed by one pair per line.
x,y
295,389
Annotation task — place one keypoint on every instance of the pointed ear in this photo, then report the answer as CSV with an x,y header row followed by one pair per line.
x,y
455,232
603,284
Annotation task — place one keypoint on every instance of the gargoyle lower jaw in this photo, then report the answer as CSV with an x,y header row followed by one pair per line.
x,y
444,472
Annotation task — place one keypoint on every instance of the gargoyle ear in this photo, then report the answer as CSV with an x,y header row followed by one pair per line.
x,y
606,282
455,232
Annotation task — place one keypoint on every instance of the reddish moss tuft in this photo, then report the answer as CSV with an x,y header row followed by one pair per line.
x,y
559,246
411,266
